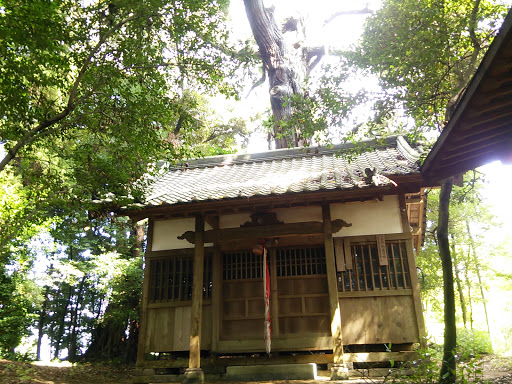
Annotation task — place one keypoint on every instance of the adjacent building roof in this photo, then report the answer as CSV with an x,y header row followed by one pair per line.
x,y
286,171
480,129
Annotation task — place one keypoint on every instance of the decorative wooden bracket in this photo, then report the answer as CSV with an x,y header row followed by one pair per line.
x,y
265,231
262,218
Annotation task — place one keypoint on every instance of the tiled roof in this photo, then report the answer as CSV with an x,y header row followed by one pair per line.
x,y
283,171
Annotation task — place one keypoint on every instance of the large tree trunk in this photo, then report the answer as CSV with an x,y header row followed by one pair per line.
x,y
285,61
132,340
450,331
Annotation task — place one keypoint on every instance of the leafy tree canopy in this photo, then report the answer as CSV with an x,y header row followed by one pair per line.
x,y
424,53
92,94
100,83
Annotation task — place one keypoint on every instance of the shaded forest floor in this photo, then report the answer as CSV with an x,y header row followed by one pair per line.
x,y
13,372
496,370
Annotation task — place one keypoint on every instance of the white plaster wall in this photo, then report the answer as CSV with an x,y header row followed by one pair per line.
x,y
286,215
299,215
234,221
369,218
166,232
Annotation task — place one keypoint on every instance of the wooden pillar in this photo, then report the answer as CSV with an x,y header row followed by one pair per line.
x,y
216,296
406,227
273,297
141,347
194,373
339,370
214,222
415,285
413,273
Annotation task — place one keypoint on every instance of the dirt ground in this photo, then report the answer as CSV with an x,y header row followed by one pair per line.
x,y
12,372
496,370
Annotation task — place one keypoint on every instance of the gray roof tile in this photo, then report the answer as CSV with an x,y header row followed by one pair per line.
x,y
281,171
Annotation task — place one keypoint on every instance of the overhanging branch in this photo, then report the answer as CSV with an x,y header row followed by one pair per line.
x,y
363,11
72,102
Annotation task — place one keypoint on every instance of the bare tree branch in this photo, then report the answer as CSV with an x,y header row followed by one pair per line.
x,y
317,53
363,11
259,82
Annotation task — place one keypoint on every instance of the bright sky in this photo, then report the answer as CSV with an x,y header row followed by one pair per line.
x,y
497,192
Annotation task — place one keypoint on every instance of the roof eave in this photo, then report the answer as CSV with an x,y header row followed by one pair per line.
x,y
406,183
428,166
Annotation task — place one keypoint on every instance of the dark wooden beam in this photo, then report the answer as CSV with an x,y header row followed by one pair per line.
x,y
245,244
501,67
476,149
486,97
468,123
464,164
483,135
262,359
264,231
503,103
489,85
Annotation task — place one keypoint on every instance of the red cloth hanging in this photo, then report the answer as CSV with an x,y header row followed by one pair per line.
x,y
266,296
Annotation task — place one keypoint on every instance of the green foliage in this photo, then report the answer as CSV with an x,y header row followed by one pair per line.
x,y
92,95
91,269
22,373
17,292
424,52
425,369
15,312
473,342
468,211
326,111
319,114
208,133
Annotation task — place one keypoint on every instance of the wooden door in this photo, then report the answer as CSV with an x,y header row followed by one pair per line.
x,y
302,293
242,302
299,300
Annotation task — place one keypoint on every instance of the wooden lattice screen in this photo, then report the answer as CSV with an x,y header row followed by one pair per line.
x,y
300,261
171,279
242,265
363,271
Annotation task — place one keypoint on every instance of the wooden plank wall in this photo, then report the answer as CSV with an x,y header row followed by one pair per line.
x,y
168,329
243,310
303,305
379,319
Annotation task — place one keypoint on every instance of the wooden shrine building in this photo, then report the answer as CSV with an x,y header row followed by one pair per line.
x,y
343,283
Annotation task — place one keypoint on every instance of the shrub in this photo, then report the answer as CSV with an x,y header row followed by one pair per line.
x,y
473,342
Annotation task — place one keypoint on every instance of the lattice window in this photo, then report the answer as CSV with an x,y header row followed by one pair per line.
x,y
171,279
300,261
365,271
242,265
